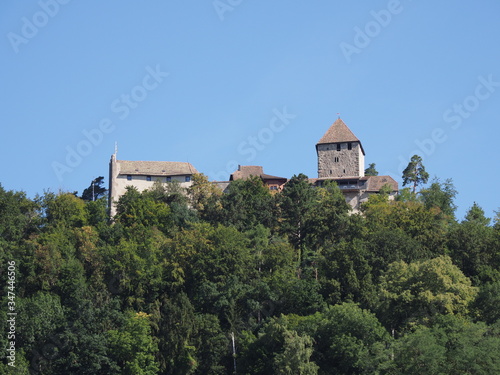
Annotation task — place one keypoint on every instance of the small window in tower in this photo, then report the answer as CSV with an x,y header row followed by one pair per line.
x,y
129,177
338,146
349,146
344,170
336,159
148,178
169,179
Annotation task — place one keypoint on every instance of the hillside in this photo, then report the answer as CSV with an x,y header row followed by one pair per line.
x,y
248,282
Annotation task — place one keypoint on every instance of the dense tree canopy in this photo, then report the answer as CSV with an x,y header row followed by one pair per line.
x,y
197,281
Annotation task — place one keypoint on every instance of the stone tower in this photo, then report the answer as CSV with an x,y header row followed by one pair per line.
x,y
340,153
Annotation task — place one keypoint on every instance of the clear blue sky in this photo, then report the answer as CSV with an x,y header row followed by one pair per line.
x,y
197,81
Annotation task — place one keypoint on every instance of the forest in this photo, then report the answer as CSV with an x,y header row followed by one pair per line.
x,y
249,281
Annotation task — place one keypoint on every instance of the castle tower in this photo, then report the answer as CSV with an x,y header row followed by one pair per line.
x,y
340,153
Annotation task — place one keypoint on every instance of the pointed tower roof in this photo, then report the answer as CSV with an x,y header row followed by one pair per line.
x,y
338,133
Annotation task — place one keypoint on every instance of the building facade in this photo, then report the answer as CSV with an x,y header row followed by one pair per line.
x,y
341,158
340,153
274,183
143,174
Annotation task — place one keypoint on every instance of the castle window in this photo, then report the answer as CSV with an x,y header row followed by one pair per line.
x,y
338,146
129,177
169,179
336,159
148,178
349,146
188,178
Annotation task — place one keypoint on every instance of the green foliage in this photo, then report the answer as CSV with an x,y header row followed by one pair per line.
x,y
345,274
301,283
296,203
278,350
247,203
328,219
205,198
371,170
350,340
132,346
415,173
440,195
64,209
18,216
472,244
419,292
95,191
136,209
487,302
452,346
476,215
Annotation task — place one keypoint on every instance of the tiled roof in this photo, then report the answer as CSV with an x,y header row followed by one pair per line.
x,y
375,183
245,171
338,133
156,168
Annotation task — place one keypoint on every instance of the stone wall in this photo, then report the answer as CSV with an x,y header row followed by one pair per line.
x,y
350,162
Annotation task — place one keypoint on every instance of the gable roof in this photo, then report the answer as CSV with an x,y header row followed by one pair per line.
x,y
245,171
337,133
375,183
156,168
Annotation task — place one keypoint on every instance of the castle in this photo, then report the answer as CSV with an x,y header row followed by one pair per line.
x,y
341,158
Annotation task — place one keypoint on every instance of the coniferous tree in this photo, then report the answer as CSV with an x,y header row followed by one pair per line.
x,y
415,173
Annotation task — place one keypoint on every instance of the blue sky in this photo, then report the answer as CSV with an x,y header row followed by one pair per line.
x,y
221,83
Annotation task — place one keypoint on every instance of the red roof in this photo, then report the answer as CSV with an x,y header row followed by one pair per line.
x,y
338,133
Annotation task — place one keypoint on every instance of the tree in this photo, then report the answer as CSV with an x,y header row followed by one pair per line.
x,y
175,197
248,203
345,274
18,216
205,198
64,209
415,173
296,202
141,209
440,195
278,350
132,346
476,215
451,346
420,291
371,171
349,340
487,302
472,244
329,217
95,190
